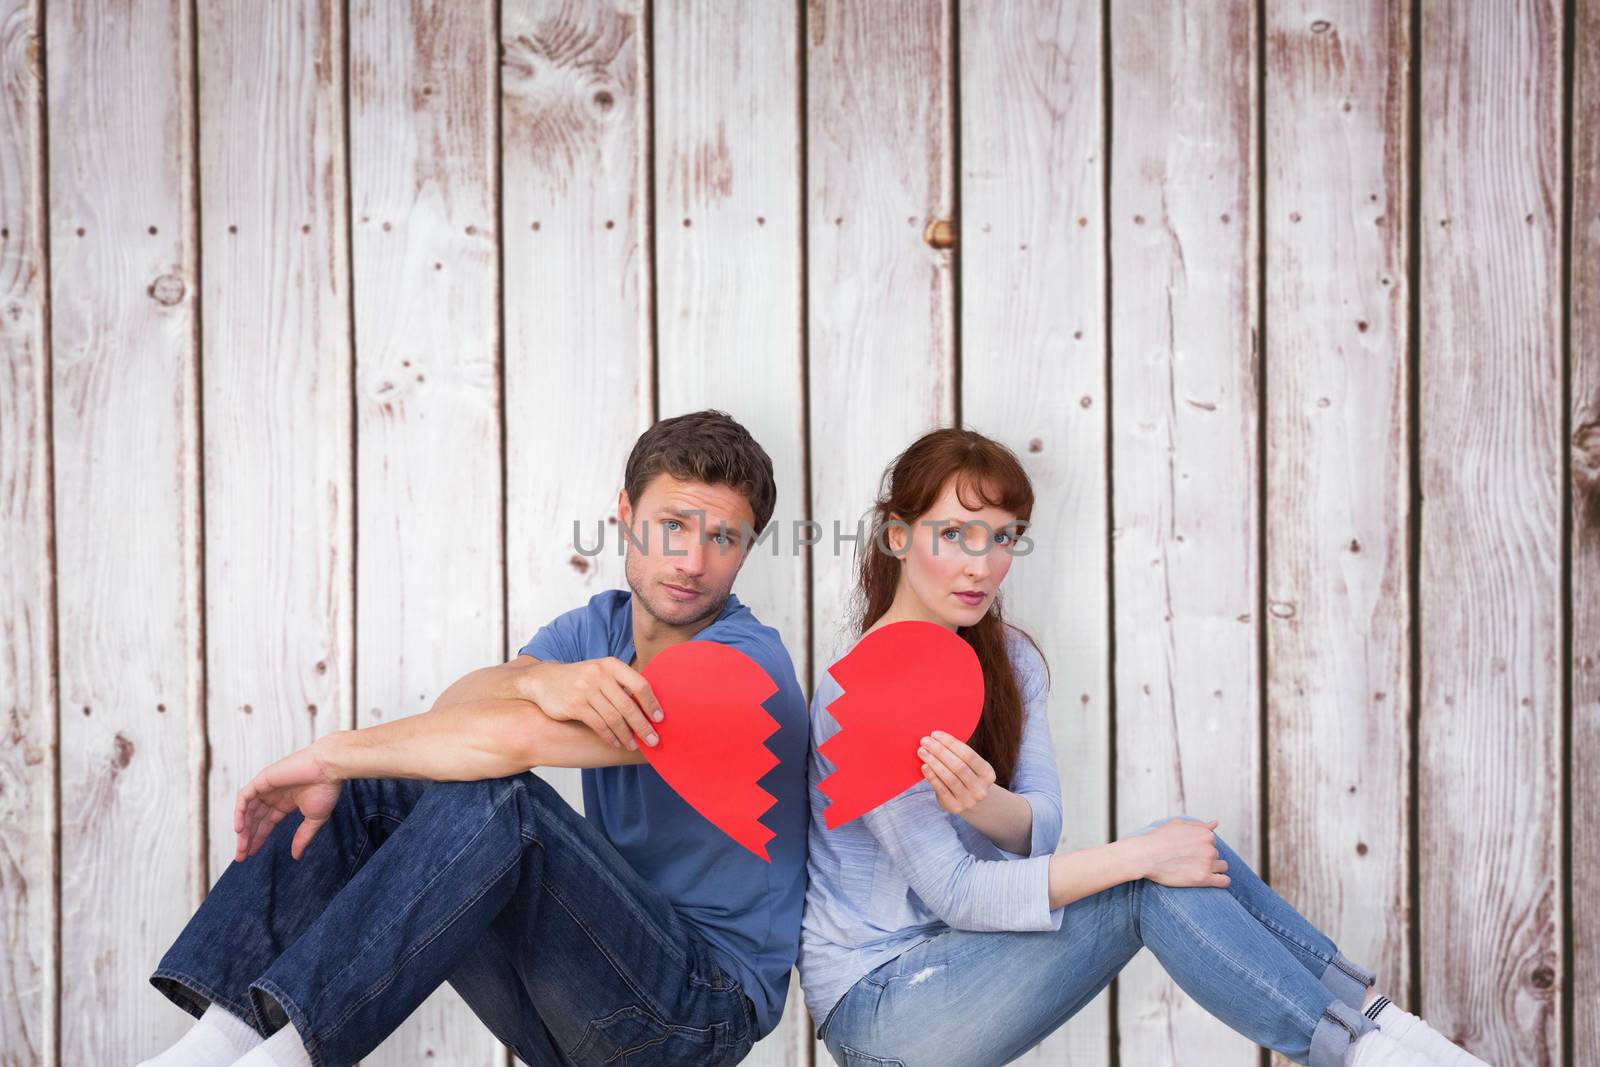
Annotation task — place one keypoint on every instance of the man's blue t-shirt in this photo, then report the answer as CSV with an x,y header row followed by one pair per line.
x,y
746,908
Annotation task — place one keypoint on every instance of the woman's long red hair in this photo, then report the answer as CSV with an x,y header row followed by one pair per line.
x,y
986,472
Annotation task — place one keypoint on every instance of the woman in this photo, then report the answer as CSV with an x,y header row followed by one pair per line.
x,y
944,928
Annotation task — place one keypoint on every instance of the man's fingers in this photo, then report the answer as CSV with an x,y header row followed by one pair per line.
x,y
242,805
247,825
610,702
599,716
263,829
631,713
596,722
302,836
638,686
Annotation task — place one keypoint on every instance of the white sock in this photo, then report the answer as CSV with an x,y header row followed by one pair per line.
x,y
283,1049
220,1037
1376,1049
1416,1034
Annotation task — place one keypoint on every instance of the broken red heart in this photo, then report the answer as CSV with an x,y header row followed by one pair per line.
x,y
712,730
900,682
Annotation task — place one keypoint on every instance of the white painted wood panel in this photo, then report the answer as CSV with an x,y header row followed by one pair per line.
x,y
1184,396
127,580
1033,374
1490,413
425,283
29,822
1338,451
1584,572
575,129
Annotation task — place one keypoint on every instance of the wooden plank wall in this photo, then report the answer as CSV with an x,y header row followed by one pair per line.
x,y
1491,414
1290,308
424,238
1337,479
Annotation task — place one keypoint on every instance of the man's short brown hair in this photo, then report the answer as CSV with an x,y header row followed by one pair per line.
x,y
704,446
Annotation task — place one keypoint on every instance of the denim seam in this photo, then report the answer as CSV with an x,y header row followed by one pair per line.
x,y
870,1058
359,952
366,836
716,1032
424,942
361,851
616,965
823,1029
1328,1014
1284,934
647,924
1360,978
244,1011
1260,981
291,1008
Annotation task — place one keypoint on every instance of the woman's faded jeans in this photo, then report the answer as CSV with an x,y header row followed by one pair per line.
x,y
1241,952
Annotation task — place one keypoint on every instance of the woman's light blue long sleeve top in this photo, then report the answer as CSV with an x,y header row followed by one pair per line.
x,y
908,869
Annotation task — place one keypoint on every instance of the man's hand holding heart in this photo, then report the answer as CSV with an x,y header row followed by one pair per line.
x,y
607,695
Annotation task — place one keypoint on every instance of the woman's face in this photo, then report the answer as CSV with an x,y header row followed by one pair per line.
x,y
953,550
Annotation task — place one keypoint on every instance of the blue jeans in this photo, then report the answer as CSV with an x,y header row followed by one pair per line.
x,y
500,888
1242,953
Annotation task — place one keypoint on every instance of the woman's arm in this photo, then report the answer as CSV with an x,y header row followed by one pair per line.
x,y
1024,820
963,783
1087,871
1006,818
967,893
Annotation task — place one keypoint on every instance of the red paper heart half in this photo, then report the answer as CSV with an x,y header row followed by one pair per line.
x,y
900,682
712,730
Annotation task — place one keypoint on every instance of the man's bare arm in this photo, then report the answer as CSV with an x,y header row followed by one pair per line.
x,y
498,681
465,742
611,697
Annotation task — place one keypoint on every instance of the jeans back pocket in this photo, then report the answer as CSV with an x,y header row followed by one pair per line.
x,y
635,1036
857,1058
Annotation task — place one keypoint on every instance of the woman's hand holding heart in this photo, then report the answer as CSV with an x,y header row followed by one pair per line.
x,y
961,778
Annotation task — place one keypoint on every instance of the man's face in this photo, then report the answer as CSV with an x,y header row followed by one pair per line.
x,y
689,541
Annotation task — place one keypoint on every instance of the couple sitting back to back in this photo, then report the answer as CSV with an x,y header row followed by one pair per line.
x,y
944,927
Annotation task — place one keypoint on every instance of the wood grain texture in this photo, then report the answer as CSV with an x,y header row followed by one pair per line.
x,y
729,288
813,149
278,437
123,351
1338,474
424,260
1489,737
1584,570
575,130
881,339
29,820
881,312
1033,373
1184,439
728,262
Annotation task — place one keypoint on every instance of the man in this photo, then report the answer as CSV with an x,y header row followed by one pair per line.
x,y
639,931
